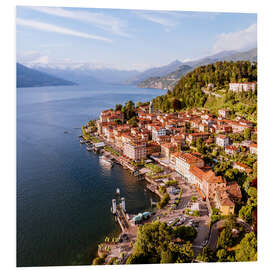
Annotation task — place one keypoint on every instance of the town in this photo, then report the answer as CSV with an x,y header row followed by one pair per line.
x,y
171,152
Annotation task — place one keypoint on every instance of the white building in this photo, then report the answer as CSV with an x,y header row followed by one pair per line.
x,y
238,87
157,132
222,140
134,151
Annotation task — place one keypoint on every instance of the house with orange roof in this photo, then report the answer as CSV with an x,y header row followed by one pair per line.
x,y
194,136
253,148
210,183
242,167
183,162
167,149
231,150
152,148
223,202
222,140
234,191
135,151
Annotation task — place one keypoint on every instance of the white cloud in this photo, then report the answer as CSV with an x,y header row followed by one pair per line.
x,y
241,40
57,29
157,17
100,20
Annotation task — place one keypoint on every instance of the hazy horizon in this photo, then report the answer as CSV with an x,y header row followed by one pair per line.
x,y
127,39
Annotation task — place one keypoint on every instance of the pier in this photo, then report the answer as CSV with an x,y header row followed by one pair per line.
x,y
122,219
119,210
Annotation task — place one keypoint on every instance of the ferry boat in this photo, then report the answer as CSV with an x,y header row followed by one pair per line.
x,y
105,161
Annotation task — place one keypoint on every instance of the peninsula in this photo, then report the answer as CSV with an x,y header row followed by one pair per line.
x,y
196,147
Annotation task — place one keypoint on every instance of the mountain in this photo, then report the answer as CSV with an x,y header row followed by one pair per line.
x,y
28,77
250,55
155,72
170,80
87,73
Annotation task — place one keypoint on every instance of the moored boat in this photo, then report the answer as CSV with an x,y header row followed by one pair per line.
x,y
105,161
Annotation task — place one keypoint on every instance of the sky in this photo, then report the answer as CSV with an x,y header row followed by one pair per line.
x,y
127,39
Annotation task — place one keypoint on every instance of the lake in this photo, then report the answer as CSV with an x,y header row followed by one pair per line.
x,y
63,193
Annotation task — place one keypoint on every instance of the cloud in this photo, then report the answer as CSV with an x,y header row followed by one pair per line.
x,y
169,19
241,40
100,20
57,29
157,17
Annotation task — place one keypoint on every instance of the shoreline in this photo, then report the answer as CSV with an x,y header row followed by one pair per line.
x,y
163,214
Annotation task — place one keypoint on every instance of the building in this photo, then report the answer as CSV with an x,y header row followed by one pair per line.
x,y
210,184
242,167
167,149
224,113
111,115
135,151
234,191
152,148
194,136
231,150
151,107
184,161
238,87
158,131
223,202
253,148
222,140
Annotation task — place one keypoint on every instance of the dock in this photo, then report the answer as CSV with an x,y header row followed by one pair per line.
x,y
122,219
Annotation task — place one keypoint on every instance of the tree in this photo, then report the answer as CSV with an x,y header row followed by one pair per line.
x,y
248,248
99,260
137,258
118,121
118,107
207,255
247,133
252,193
245,213
185,253
129,110
222,255
152,238
176,104
187,233
167,256
225,239
133,121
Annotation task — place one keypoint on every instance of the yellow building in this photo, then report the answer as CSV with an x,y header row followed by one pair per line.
x,y
224,203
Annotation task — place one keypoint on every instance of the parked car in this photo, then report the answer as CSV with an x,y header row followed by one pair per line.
x,y
170,222
204,243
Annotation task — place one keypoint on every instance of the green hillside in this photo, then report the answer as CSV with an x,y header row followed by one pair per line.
x,y
188,91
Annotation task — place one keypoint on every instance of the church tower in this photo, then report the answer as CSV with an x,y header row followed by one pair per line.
x,y
151,108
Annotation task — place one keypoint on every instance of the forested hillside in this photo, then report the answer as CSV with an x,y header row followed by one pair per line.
x,y
188,91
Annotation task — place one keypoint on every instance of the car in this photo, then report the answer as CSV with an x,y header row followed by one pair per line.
x,y
170,222
204,243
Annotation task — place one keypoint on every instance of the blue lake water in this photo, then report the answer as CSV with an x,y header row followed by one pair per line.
x,y
63,193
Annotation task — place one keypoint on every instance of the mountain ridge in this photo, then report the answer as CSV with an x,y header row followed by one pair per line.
x,y
28,77
166,82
